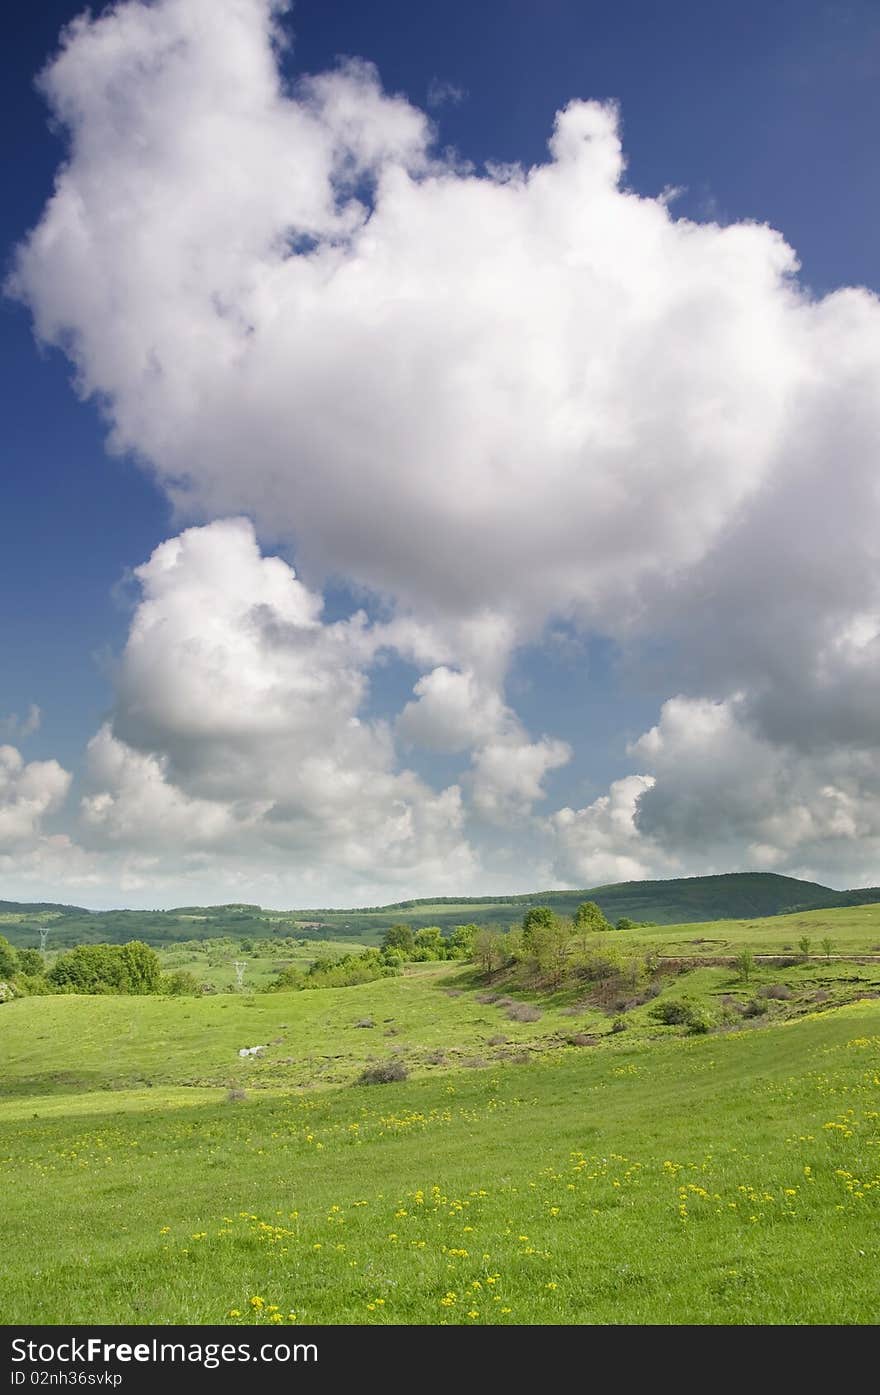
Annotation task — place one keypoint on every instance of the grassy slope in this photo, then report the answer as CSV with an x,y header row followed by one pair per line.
x,y
61,1043
729,1179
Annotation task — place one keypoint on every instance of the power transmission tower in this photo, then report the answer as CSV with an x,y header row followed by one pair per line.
x,y
240,965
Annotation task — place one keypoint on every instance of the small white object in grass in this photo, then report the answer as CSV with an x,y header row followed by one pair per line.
x,y
250,1050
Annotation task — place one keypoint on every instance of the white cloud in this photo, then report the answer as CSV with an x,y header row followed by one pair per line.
x,y
22,727
730,796
719,795
236,732
601,844
498,399
509,773
453,711
28,793
520,393
444,94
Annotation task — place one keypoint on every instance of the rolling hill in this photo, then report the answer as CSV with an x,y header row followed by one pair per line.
x,y
677,901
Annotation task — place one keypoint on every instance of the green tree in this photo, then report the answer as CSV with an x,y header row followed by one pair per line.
x,y
399,937
827,946
142,966
537,916
90,969
624,923
8,958
551,947
590,917
430,938
488,950
745,962
30,961
462,941
804,945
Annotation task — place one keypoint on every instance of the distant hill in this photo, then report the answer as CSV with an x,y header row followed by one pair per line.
x,y
39,908
678,901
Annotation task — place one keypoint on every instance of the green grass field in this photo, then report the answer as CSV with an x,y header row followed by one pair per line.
x,y
151,1175
730,1179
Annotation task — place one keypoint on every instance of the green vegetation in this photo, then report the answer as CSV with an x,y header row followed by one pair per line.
x,y
579,1125
641,1183
673,902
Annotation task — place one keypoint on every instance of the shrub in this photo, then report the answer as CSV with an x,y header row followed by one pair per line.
x,y
776,990
745,963
8,958
674,1012
365,1022
581,1039
437,1057
384,1073
30,961
699,1023
523,1012
180,984
754,1008
236,1094
618,1025
678,1012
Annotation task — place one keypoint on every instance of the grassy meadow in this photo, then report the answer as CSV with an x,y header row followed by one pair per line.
x,y
562,1169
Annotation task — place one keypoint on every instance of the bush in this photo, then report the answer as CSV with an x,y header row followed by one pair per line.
x,y
180,984
130,968
32,985
523,1012
236,1094
8,958
365,1022
384,1073
678,1012
619,1024
30,961
755,1008
776,990
699,1023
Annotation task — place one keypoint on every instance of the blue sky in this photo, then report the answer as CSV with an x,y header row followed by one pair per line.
x,y
762,112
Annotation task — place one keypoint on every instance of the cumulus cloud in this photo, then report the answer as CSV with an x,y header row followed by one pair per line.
x,y
601,843
28,793
726,793
719,794
236,729
425,376
457,711
499,399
